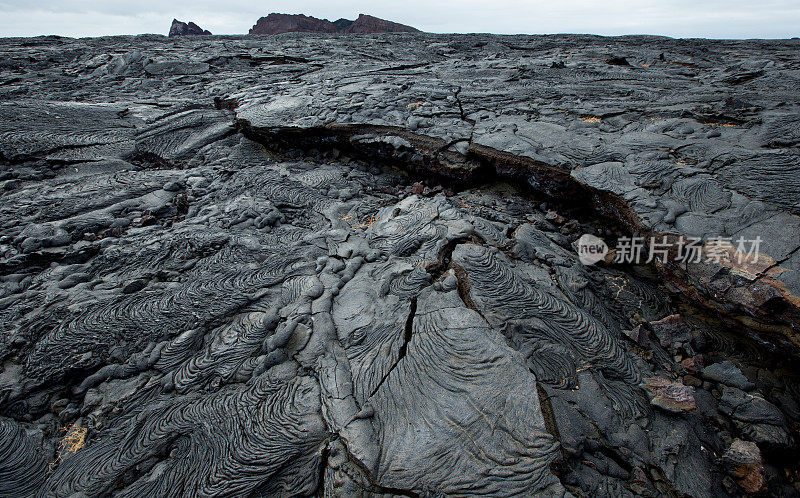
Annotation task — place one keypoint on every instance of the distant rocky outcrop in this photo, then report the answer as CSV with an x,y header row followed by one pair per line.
x,y
275,24
370,24
179,28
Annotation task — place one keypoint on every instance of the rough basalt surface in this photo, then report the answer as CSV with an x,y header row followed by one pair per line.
x,y
313,265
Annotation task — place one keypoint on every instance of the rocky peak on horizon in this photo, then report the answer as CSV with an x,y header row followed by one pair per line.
x,y
180,28
276,23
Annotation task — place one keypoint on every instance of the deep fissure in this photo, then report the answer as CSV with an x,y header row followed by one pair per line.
x,y
487,165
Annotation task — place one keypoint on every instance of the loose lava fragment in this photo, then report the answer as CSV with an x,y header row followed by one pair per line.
x,y
671,396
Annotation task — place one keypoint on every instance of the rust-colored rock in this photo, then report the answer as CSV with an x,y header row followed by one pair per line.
x,y
693,364
743,461
671,396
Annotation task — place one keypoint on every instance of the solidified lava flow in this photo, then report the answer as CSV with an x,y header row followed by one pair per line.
x,y
326,265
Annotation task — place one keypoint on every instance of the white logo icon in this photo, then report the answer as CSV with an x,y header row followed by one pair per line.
x,y
591,249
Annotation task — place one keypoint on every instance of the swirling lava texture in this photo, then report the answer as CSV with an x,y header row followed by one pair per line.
x,y
245,273
24,460
502,292
257,439
193,345
305,326
456,372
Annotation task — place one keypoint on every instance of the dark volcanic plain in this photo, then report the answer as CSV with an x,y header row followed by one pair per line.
x,y
344,265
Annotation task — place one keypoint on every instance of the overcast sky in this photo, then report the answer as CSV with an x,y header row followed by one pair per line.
x,y
679,18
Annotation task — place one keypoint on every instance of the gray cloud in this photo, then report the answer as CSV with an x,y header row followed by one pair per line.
x,y
681,18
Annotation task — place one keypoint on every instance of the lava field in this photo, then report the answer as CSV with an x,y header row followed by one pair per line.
x,y
348,265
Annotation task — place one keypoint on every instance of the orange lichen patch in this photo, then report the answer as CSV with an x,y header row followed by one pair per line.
x,y
591,119
74,439
416,105
368,223
462,203
615,281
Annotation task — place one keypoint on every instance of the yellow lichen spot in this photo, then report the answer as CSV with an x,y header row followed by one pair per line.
x,y
591,119
74,439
